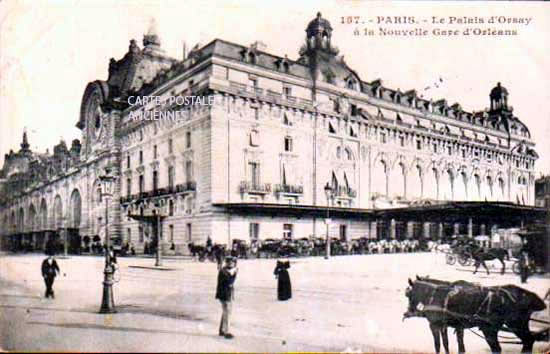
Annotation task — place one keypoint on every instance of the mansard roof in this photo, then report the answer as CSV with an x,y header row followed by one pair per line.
x,y
141,71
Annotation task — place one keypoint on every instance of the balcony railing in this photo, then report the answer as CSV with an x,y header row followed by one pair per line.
x,y
257,188
186,187
159,192
289,189
345,192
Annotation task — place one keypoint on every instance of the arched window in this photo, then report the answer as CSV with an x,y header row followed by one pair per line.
x,y
348,154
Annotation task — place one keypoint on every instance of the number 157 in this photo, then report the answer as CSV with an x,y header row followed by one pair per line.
x,y
350,19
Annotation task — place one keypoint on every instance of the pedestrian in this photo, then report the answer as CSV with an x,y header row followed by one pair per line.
x,y
219,253
524,265
284,287
49,271
225,293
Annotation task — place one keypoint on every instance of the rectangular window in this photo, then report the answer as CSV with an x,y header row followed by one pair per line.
x,y
254,231
141,157
254,170
253,82
401,141
187,140
128,187
254,138
141,184
383,138
449,150
288,144
463,153
418,145
354,110
170,176
287,91
435,148
128,161
140,233
155,180
287,231
155,152
170,146
343,233
171,231
188,171
171,208
129,233
188,232
256,113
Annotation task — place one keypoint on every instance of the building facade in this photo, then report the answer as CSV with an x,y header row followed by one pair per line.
x,y
255,163
542,192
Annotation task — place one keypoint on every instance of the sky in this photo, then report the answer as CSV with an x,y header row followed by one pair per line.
x,y
50,50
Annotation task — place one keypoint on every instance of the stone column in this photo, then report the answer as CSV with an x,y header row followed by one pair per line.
x,y
392,229
470,228
373,230
426,230
410,230
482,229
456,228
440,231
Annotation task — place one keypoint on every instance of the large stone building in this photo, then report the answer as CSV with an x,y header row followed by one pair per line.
x,y
255,163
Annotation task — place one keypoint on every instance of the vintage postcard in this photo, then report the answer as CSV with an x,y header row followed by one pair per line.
x,y
276,176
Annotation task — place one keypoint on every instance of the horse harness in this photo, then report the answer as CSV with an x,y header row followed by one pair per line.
x,y
456,289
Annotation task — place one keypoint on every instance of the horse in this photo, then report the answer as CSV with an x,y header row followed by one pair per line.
x,y
463,305
197,250
480,256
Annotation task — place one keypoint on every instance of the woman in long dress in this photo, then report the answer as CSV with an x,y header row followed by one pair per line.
x,y
284,287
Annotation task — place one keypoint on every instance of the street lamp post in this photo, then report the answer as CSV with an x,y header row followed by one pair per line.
x,y
329,192
158,262
107,303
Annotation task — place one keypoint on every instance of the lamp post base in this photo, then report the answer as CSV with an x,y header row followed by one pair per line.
x,y
108,302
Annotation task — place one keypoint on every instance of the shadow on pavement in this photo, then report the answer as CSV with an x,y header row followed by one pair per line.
x,y
139,309
111,328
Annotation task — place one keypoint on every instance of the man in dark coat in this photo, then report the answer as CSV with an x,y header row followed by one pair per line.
x,y
49,271
224,293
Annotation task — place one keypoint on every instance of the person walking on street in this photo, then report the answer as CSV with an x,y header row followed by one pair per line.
x,y
284,287
219,253
50,269
225,293
524,264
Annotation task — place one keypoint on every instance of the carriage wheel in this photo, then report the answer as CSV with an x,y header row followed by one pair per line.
x,y
450,259
463,260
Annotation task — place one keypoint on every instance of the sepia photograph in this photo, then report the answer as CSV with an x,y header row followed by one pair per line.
x,y
276,176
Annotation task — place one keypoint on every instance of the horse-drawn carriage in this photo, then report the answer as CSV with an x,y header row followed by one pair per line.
x,y
203,253
463,305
